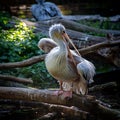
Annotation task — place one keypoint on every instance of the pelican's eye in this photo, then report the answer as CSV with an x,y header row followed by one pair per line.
x,y
63,31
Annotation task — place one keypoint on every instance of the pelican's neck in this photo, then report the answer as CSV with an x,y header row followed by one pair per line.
x,y
63,46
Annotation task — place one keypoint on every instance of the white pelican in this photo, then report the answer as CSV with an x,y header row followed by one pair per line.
x,y
71,70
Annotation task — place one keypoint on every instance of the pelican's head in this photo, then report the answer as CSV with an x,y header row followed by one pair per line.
x,y
57,32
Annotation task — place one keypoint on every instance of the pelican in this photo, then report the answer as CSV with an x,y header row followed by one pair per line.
x,y
45,10
73,72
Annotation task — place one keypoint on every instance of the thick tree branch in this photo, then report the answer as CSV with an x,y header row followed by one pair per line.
x,y
23,63
46,96
15,79
101,87
49,116
80,27
92,17
85,103
74,35
69,24
99,46
72,29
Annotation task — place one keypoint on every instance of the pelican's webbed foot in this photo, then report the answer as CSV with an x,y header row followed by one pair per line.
x,y
65,94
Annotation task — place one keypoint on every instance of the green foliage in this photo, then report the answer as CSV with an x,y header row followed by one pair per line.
x,y
4,20
17,43
39,74
106,24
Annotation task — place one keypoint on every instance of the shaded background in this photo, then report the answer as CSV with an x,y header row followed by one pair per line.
x,y
21,8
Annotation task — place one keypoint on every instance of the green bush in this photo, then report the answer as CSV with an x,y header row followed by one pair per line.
x,y
17,43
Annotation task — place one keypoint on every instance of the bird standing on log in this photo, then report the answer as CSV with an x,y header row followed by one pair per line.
x,y
68,67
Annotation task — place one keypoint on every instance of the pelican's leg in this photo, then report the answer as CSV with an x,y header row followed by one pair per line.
x,y
66,94
60,83
70,92
59,92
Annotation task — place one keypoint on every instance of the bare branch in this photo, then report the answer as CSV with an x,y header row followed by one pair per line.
x,y
49,116
15,79
99,46
97,88
23,63
69,111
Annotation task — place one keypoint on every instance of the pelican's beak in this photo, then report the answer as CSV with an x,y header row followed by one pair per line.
x,y
66,37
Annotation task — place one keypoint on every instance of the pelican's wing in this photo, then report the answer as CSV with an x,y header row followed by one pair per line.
x,y
87,69
46,44
52,9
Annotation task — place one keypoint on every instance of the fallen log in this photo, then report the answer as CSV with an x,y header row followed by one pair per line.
x,y
80,27
86,103
115,18
68,111
74,35
101,87
49,116
77,36
47,96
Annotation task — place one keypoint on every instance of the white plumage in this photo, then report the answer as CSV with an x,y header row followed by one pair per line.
x,y
70,69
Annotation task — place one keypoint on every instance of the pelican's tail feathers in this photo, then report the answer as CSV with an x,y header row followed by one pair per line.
x,y
78,86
